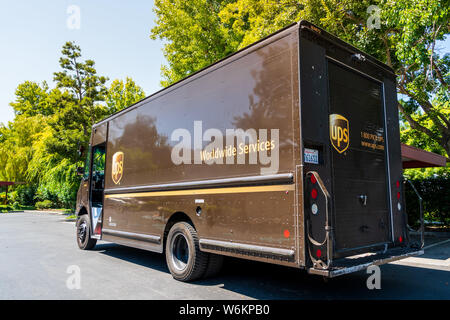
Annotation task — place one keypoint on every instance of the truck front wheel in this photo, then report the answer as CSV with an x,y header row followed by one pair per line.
x,y
84,233
185,260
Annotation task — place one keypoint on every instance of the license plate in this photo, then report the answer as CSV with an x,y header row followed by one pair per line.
x,y
311,156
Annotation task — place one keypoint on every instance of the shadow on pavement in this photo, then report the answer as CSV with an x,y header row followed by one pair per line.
x,y
266,281
141,257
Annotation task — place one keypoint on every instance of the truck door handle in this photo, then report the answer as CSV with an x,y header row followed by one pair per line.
x,y
363,199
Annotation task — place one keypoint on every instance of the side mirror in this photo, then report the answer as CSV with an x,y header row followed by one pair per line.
x,y
80,171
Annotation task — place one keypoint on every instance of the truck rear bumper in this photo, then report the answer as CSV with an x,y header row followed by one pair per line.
x,y
360,262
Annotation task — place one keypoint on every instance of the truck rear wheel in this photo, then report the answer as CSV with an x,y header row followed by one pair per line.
x,y
84,240
185,260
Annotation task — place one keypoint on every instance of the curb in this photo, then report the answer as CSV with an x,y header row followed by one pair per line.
x,y
46,211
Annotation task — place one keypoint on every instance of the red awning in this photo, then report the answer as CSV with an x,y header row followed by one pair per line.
x,y
413,157
6,183
9,183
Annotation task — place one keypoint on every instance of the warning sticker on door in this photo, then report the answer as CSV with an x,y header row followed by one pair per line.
x,y
311,156
96,212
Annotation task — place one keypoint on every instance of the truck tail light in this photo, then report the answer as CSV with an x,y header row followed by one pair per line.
x,y
315,202
313,194
98,229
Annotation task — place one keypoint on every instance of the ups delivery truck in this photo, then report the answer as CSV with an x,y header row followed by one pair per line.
x,y
287,152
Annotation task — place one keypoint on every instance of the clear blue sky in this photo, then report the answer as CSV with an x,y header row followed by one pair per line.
x,y
114,33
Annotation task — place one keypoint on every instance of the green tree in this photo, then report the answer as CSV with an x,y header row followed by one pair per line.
x,y
79,97
122,94
405,39
81,79
194,33
40,147
17,146
31,99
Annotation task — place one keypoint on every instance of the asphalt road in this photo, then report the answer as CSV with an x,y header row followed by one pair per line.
x,y
37,249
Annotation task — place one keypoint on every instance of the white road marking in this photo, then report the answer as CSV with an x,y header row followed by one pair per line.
x,y
426,261
436,244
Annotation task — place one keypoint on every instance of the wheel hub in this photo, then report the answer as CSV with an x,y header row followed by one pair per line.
x,y
180,251
82,231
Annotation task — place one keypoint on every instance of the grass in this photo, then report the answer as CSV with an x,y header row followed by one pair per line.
x,y
9,207
5,208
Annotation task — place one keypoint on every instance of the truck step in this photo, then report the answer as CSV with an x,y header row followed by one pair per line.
x,y
360,262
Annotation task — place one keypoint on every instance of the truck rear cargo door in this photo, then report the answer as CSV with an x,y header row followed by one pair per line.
x,y
357,136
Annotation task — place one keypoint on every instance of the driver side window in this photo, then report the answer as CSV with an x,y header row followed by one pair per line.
x,y
87,164
98,175
98,167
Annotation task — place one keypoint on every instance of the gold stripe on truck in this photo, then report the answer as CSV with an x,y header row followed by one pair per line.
x,y
273,188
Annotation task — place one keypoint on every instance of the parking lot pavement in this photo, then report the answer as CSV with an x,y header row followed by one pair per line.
x,y
38,249
437,256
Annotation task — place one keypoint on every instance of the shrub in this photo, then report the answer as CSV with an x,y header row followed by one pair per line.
x,y
24,194
46,204
435,192
60,185
3,197
16,206
5,208
12,196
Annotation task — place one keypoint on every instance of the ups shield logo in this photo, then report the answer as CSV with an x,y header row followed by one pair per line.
x,y
117,167
339,132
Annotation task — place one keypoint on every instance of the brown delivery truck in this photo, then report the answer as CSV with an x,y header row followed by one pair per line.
x,y
287,152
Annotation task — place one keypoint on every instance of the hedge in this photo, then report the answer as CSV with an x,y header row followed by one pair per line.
x,y
435,193
46,204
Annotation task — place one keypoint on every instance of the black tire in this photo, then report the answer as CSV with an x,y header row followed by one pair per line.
x,y
215,263
84,240
183,256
